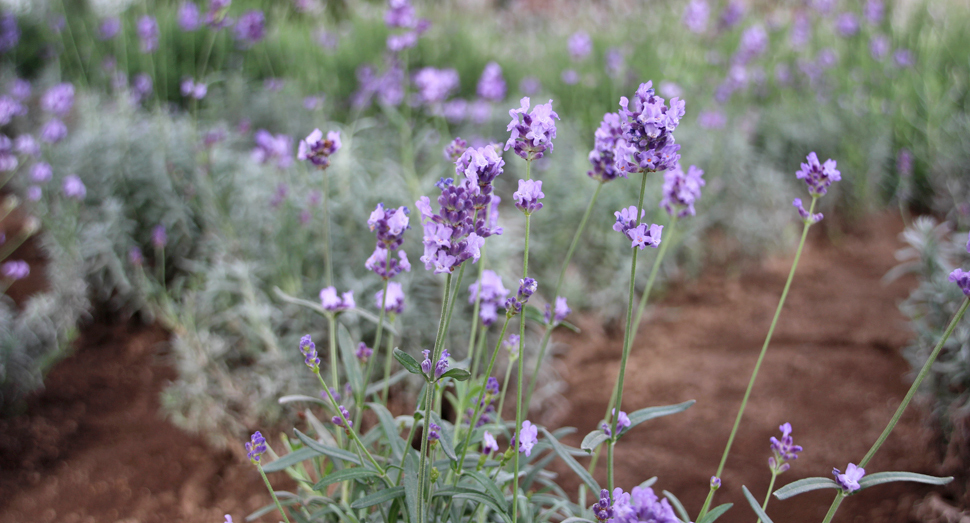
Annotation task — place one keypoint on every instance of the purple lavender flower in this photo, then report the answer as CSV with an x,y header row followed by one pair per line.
x,y
810,219
715,119
159,236
800,32
15,270
189,88
330,302
696,13
388,88
276,148
389,224
529,437
20,89
454,110
570,77
109,28
9,33
317,149
603,508
434,432
513,306
528,195
426,362
850,480
489,445
732,14
339,421
873,11
313,103
823,7
532,133
511,344
442,365
34,193
627,219
491,85
455,149
784,450
141,86
147,29
135,256
250,29
188,16
879,47
395,298
754,41
715,482
282,191
363,352
648,140
818,176
680,190
58,100
492,293
904,163
216,17
641,504
309,350
435,85
53,131
26,145
961,278
387,269
530,85
480,166
454,235
580,45
399,42
9,107
614,62
274,85
847,24
8,161
642,235
326,39
256,447
556,315
903,58
74,187
602,157
400,13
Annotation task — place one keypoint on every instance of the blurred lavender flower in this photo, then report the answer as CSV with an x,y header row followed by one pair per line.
x,y
159,236
388,87
614,62
715,482
57,23
34,193
141,86
313,103
491,85
570,77
529,437
330,302
847,24
455,149
318,149
511,344
670,89
326,39
135,256
8,161
528,196
339,421
648,139
395,298
904,163
212,137
493,293
879,47
434,432
274,85
216,17
827,58
580,45
556,315
823,7
810,219
27,146
250,29
53,131
489,445
15,270
641,504
363,352
400,13
784,450
282,191
850,480
9,32
732,14
58,100
715,119
644,235
387,269
442,364
147,29
19,89
309,350
399,42
256,447
602,157
818,176
962,279
754,41
109,28
273,148
513,305
873,11
188,16
680,190
532,133
696,14
530,85
800,32
480,112
903,58
434,85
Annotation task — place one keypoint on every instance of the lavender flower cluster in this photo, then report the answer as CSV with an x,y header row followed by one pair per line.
x,y
648,140
389,226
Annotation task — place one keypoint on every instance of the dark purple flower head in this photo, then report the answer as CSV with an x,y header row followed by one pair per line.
x,y
696,14
318,149
481,166
74,187
513,306
455,234
528,196
339,420
389,225
109,28
818,176
641,504
847,24
580,45
442,365
648,140
603,508
530,436
603,155
309,350
784,450
491,85
251,28
363,352
147,29
435,85
394,303
330,302
489,445
961,278
188,16
810,219
850,480
556,315
732,14
256,447
455,149
53,131
9,32
159,236
681,189
58,100
15,270
434,432
273,148
492,293
715,482
532,133
379,263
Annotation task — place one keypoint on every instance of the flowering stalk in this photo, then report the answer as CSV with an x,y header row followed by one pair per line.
x,y
347,425
653,273
377,340
519,377
272,493
905,403
761,356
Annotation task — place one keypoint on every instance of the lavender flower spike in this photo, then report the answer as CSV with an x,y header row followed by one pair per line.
x,y
317,149
962,279
455,149
603,508
363,352
627,219
818,176
529,437
680,190
74,187
850,480
331,303
489,445
648,144
493,293
784,450
558,314
602,157
434,432
810,219
256,447
532,133
644,235
442,365
309,350
513,306
338,421
528,195
395,298
426,363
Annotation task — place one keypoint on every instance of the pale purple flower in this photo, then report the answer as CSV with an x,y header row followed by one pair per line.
x,y
580,45
529,437
255,448
387,269
318,149
400,13
188,16
53,131
455,149
810,219
426,362
434,432
850,480
435,85
312,103
556,315
339,420
274,85
15,270
399,42
330,302
800,32
489,445
532,133
732,14
9,32
714,119
159,236
135,256
491,85
147,29
648,140
141,86
363,352
309,350
276,148
388,88
570,77
818,176
492,293
216,15
480,166
453,235
847,24
873,11
530,85
9,107
627,219
614,62
442,365
34,193
326,39
251,28
395,298
74,187
715,482
681,189
528,196
904,163
879,47
823,7
641,504
511,343
58,100
961,278
480,112
670,89
644,235
754,41
109,28
784,450
696,14
454,110
20,89
903,58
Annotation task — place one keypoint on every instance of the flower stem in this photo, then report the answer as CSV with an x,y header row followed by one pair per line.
x,y
518,396
835,507
347,426
761,356
771,485
272,493
328,261
653,273
422,473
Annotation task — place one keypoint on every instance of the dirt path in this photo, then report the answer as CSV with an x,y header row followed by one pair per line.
x,y
834,371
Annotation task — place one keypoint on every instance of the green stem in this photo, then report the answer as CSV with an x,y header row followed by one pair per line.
x,y
388,360
653,272
272,493
429,388
328,262
505,386
761,356
351,433
476,309
771,485
535,371
518,395
835,507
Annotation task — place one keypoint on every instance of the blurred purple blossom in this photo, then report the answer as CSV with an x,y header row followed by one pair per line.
x,y
696,15
363,352
251,28
879,47
531,133
569,77
400,13
732,14
800,32
681,190
903,58
713,119
530,85
141,86
873,11
580,45
278,148
556,315
330,302
10,108
318,149
19,89
58,100
395,298
15,270
962,279
188,16
491,85
850,480
493,294
399,42
326,39
109,28
26,145
904,163
847,24
602,157
614,62
754,42
274,85
641,504
74,188
147,29
41,172
435,85
455,149
53,131
189,88
9,32
8,161
34,193
159,236
313,103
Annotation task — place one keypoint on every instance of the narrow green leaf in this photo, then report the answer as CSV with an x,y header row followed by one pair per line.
x,y
299,397
593,440
411,488
571,462
536,468
378,497
349,357
577,520
445,441
718,512
408,362
754,506
570,326
650,413
333,452
887,477
317,308
376,387
457,374
291,459
345,475
678,506
804,485
478,497
490,487
389,427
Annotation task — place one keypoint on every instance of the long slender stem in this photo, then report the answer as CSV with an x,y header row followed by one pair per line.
x,y
518,396
761,357
328,261
388,359
505,386
272,493
347,426
771,485
422,466
653,272
835,507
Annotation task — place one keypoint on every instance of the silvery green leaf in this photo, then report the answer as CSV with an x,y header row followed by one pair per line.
x,y
754,505
378,497
678,506
570,461
887,477
649,413
592,440
408,362
804,485
719,511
